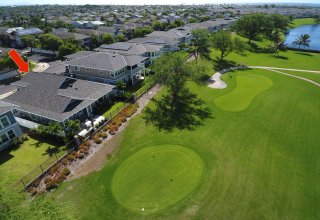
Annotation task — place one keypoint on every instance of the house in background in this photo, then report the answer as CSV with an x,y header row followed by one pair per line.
x,y
168,44
42,98
149,51
82,38
15,35
9,128
106,68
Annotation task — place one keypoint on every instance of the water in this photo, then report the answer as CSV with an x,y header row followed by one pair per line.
x,y
312,30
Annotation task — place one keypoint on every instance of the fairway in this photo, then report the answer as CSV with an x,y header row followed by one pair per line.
x,y
156,177
248,86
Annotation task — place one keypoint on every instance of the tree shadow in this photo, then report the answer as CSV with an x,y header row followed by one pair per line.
x,y
305,54
5,156
281,57
254,48
186,113
223,64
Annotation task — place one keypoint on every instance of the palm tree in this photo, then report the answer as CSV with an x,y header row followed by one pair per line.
x,y
303,40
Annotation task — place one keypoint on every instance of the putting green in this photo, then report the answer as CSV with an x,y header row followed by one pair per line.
x,y
248,87
156,177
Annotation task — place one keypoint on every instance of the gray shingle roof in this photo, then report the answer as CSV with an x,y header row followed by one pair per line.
x,y
49,95
129,48
6,107
106,61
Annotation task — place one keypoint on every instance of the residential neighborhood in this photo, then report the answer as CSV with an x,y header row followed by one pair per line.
x,y
177,111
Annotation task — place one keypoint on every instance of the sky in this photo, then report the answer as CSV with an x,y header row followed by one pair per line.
x,y
149,2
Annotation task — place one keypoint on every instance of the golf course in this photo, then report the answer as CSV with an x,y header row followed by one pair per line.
x,y
256,157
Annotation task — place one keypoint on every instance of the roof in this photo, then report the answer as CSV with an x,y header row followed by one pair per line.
x,y
96,22
129,48
79,54
28,31
6,107
55,97
107,61
154,40
67,35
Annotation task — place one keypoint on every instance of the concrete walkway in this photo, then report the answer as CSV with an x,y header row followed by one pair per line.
x,y
40,67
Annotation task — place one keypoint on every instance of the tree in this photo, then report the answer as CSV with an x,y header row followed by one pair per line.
x,y
71,127
158,26
50,42
120,38
67,48
250,25
107,38
29,41
277,47
223,42
201,43
179,108
121,85
303,40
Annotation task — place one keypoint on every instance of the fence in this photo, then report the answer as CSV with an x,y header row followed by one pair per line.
x,y
43,168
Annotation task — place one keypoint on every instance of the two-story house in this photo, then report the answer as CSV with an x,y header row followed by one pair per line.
x,y
9,128
151,52
106,67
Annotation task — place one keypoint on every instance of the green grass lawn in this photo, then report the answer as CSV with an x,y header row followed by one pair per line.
x,y
16,163
156,177
313,76
259,163
114,109
302,21
248,87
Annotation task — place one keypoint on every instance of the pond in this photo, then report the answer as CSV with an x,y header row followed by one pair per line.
x,y
312,30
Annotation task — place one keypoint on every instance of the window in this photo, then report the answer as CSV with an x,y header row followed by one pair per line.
x,y
88,69
101,72
3,138
4,122
11,134
76,68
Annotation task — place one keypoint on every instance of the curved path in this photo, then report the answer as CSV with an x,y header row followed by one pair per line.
x,y
216,82
276,70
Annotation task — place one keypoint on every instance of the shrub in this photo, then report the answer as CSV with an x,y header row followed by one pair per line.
x,y
64,161
86,143
105,128
100,134
113,128
51,185
112,132
17,141
86,152
66,171
60,178
104,135
81,156
97,141
53,169
47,180
71,157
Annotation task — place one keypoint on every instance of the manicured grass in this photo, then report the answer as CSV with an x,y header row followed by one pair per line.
x,y
248,87
260,163
156,177
313,76
114,109
16,163
289,59
302,21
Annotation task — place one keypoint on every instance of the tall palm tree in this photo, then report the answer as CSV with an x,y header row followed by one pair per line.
x,y
303,40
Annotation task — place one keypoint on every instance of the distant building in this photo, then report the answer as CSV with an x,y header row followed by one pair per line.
x,y
106,68
15,35
150,51
82,38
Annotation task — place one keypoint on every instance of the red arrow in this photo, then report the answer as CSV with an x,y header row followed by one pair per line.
x,y
23,66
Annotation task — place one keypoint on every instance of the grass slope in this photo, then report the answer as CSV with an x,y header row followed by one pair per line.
x,y
156,177
260,163
248,87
